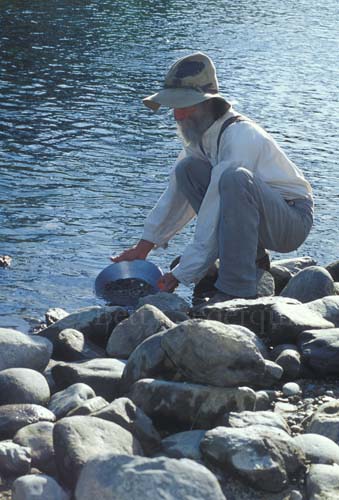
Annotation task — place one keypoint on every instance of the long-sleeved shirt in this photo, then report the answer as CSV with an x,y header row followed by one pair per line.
x,y
242,144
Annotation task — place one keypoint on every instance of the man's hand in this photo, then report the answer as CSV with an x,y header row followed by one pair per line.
x,y
168,283
139,251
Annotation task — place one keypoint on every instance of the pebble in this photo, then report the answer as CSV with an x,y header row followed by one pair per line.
x,y
291,389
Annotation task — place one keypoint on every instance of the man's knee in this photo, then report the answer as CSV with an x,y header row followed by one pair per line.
x,y
235,177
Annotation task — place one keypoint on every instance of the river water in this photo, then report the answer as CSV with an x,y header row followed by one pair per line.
x,y
82,161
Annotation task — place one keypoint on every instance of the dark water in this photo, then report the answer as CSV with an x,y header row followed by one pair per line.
x,y
82,161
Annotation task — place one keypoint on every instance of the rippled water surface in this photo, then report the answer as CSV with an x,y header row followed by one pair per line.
x,y
82,161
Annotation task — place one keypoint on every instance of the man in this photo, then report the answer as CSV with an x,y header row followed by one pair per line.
x,y
247,194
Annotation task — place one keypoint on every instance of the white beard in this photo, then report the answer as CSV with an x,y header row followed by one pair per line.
x,y
191,130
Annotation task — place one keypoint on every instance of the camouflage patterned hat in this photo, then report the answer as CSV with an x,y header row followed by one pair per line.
x,y
189,81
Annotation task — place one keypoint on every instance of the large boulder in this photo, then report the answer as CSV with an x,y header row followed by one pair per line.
x,y
186,404
320,350
318,449
309,284
134,478
142,324
284,269
327,307
322,482
14,417
36,487
79,439
211,353
167,302
23,385
19,350
72,345
88,407
263,418
333,269
290,361
325,421
183,445
14,459
64,401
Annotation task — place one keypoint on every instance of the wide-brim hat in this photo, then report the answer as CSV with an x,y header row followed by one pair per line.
x,y
190,80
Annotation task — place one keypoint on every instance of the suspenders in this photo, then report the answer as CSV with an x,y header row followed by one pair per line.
x,y
227,123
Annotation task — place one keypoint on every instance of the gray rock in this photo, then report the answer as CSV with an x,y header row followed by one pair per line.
x,y
14,459
38,438
166,302
336,288
262,401
254,314
265,458
247,418
147,360
333,269
89,407
283,270
322,482
54,314
22,385
133,478
71,345
128,334
14,417
102,375
189,404
265,283
309,284
125,413
37,487
291,389
19,350
318,449
290,361
272,374
96,323
211,353
183,445
320,350
80,439
289,320
64,401
327,307
325,421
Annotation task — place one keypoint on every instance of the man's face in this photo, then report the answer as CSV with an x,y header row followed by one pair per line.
x,y
191,123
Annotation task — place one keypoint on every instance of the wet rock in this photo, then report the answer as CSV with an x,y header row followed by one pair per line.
x,y
5,260
19,350
254,314
71,345
54,314
327,307
309,284
283,270
320,350
102,375
89,407
96,323
124,412
80,439
325,421
322,482
290,361
247,418
64,401
265,458
318,449
166,302
22,385
289,320
183,445
15,416
38,438
133,478
211,353
36,487
189,404
291,389
128,334
14,459
333,269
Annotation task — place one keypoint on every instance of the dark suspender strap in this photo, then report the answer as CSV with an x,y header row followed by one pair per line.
x,y
227,123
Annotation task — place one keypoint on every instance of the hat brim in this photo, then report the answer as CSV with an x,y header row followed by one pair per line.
x,y
178,98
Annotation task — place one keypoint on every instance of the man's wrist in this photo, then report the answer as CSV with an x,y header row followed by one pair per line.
x,y
145,246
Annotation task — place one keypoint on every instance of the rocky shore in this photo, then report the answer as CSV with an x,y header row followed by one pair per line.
x,y
237,400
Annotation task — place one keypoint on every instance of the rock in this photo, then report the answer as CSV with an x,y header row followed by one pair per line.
x,y
133,478
54,314
64,401
5,260
325,421
15,416
38,438
47,373
177,316
14,459
320,350
271,375
322,482
71,345
265,458
247,418
265,283
254,314
290,361
37,487
166,302
262,402
122,411
96,323
327,307
128,334
336,288
285,409
184,445
283,270
102,375
89,407
289,320
189,404
147,360
211,353
309,284
318,449
80,439
333,269
22,385
291,389
19,350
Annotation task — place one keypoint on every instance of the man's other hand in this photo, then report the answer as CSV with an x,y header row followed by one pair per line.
x,y
139,251
168,283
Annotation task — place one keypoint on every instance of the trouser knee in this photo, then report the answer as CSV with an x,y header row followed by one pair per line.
x,y
235,178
